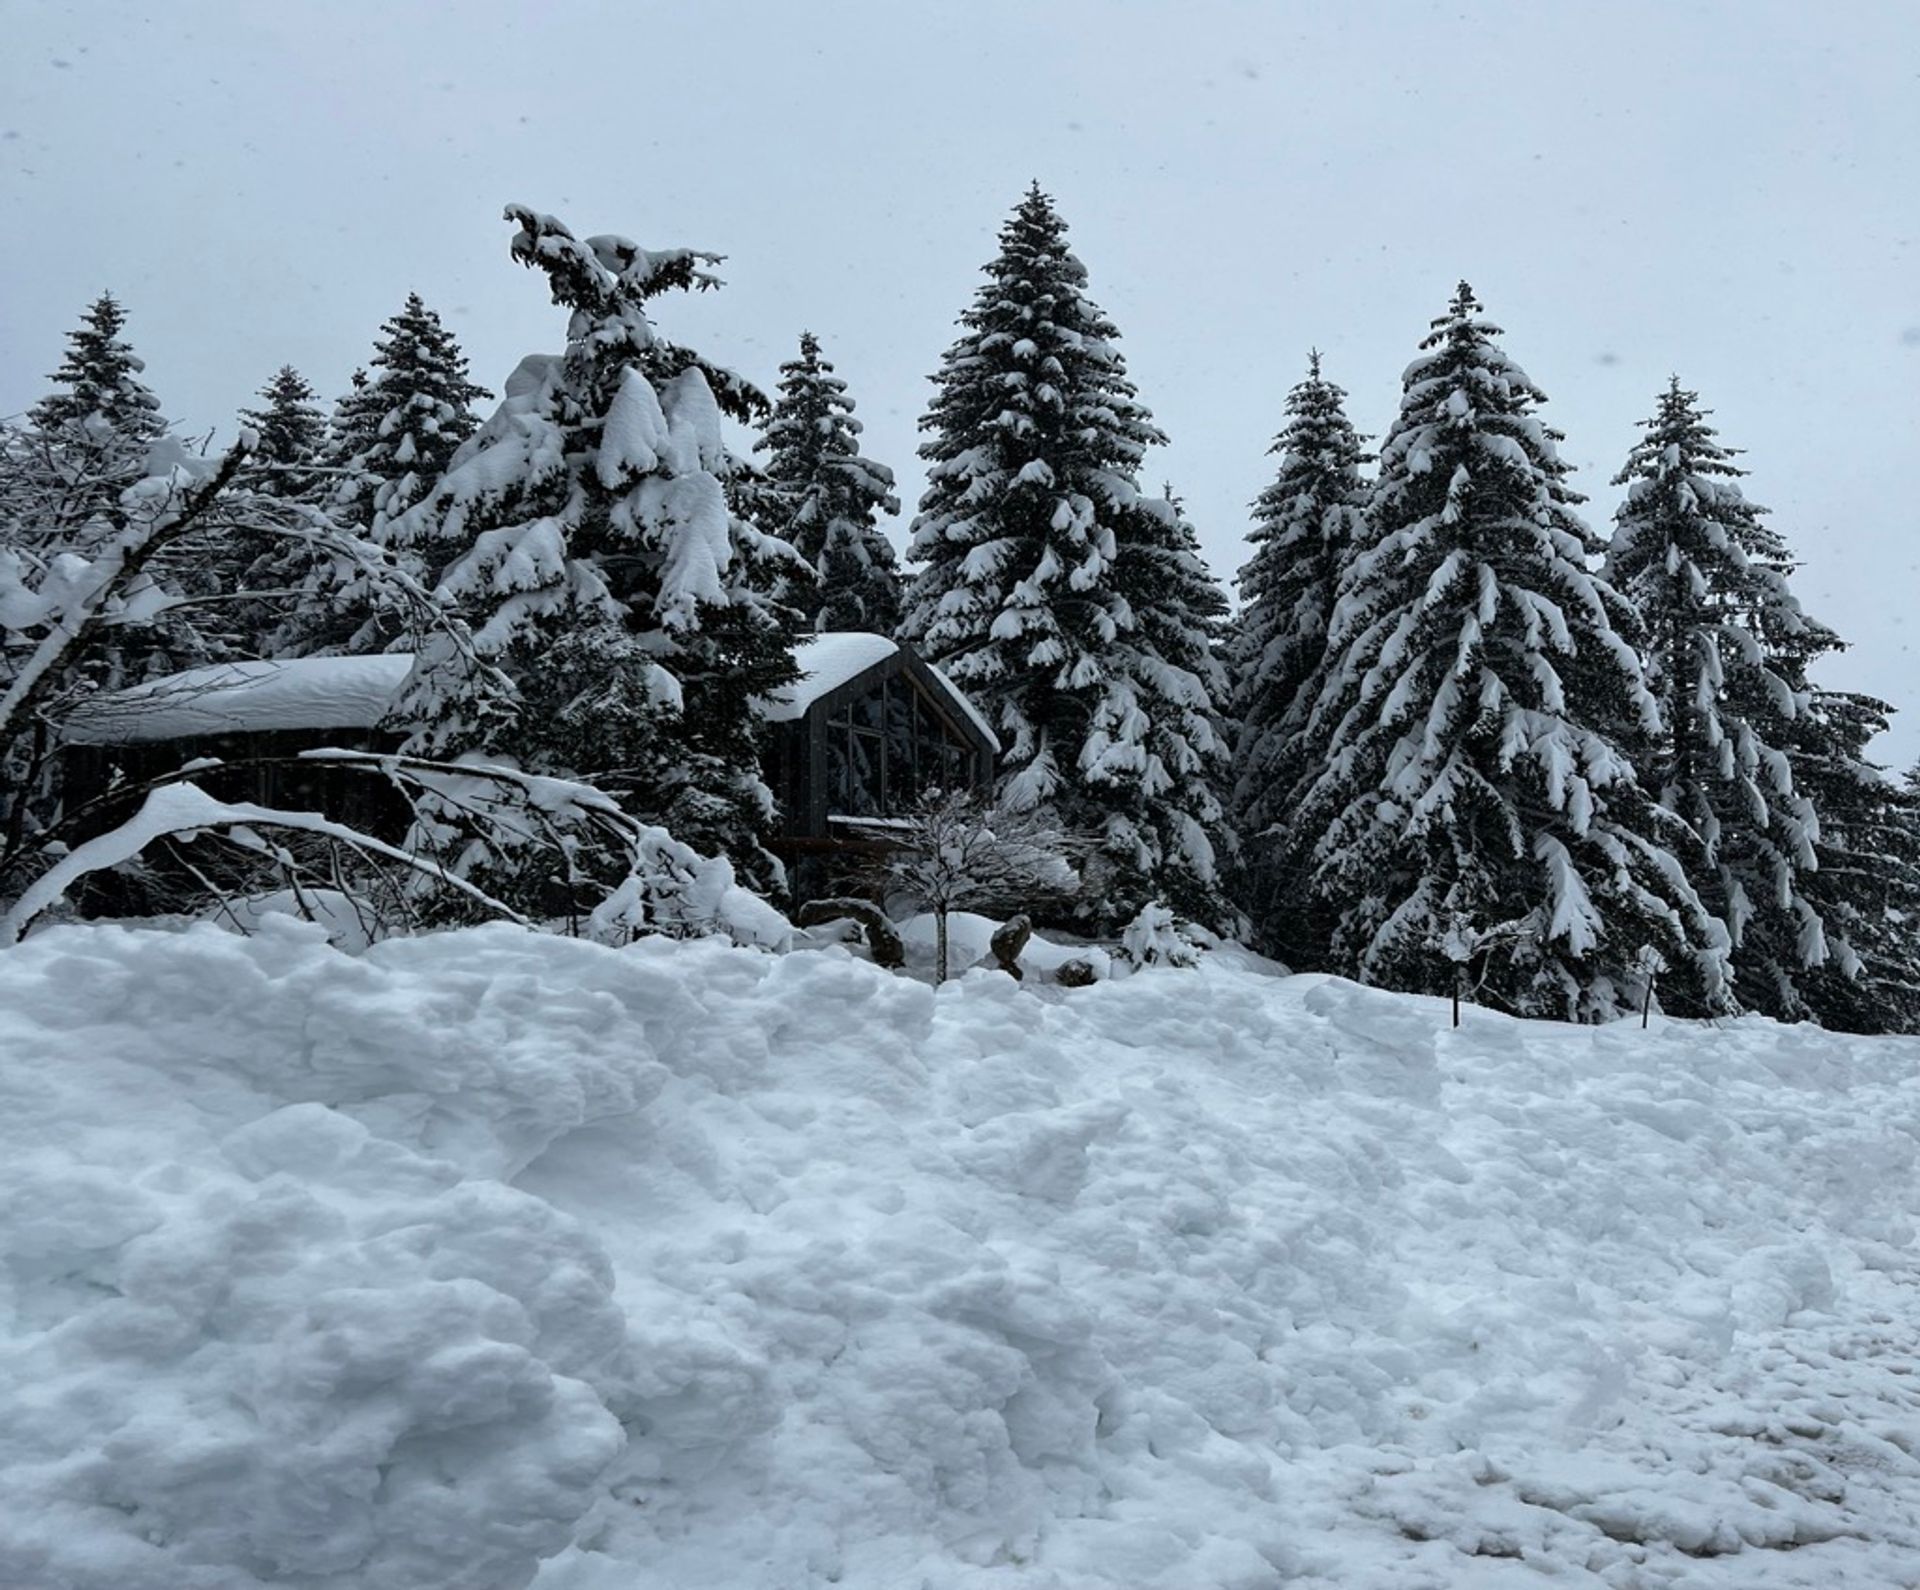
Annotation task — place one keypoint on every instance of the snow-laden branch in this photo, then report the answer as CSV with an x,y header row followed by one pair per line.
x,y
183,810
86,610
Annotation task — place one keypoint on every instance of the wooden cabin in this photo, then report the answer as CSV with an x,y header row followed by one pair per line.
x,y
867,729
857,738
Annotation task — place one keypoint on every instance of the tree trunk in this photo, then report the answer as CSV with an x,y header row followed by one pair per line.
x,y
940,945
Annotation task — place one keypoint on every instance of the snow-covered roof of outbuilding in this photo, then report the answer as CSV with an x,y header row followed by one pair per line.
x,y
837,657
355,692
246,698
826,663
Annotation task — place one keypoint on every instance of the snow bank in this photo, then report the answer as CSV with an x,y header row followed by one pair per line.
x,y
681,1265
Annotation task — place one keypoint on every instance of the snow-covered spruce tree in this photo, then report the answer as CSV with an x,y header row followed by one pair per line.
x,y
1864,887
260,575
61,481
584,533
1180,683
100,379
1484,713
93,430
351,429
1036,441
422,402
1306,526
1867,886
824,497
390,440
291,431
1726,647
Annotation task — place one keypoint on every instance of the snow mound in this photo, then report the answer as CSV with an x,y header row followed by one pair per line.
x,y
487,1258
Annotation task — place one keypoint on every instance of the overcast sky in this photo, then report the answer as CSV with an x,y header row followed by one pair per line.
x,y
1722,190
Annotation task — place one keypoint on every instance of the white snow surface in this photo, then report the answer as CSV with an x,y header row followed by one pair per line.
x,y
681,1265
249,697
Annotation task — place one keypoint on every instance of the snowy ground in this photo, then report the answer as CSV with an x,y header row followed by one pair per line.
x,y
402,1271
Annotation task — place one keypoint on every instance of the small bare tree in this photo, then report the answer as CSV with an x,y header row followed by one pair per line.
x,y
956,852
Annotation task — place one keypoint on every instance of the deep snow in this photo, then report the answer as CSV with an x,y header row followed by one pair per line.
x,y
775,1272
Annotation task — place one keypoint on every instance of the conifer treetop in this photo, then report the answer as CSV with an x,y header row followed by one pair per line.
x,y
824,496
1727,647
606,281
290,428
1307,524
101,374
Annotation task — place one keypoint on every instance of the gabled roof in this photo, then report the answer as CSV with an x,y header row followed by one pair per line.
x,y
840,657
355,692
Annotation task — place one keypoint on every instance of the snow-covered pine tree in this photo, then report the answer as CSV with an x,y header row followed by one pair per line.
x,y
1181,835
1725,653
265,572
390,440
1479,813
1036,442
93,431
323,611
1867,886
291,430
351,429
100,377
1864,887
1306,526
423,406
61,482
584,533
824,497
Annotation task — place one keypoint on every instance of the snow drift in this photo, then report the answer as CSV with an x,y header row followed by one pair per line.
x,y
488,1257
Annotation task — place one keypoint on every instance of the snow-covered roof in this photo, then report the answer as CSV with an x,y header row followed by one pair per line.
x,y
354,693
246,697
828,661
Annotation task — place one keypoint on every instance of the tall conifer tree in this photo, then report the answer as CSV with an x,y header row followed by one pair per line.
x,y
390,440
1867,886
421,403
1726,651
1479,814
585,534
1025,594
100,379
1180,613
824,497
1306,526
84,444
292,432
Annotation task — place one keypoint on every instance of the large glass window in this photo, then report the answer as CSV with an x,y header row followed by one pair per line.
x,y
888,747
